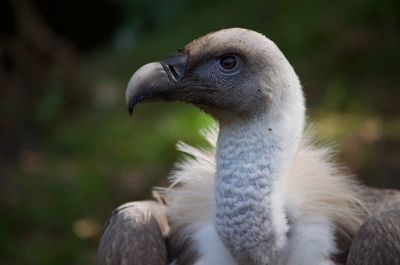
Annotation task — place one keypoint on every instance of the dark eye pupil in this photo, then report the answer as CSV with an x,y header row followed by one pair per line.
x,y
228,62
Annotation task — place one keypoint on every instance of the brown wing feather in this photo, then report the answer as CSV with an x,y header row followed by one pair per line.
x,y
378,241
135,235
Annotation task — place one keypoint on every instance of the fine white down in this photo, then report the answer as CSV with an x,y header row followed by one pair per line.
x,y
318,201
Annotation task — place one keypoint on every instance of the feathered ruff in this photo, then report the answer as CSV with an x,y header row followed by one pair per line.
x,y
315,189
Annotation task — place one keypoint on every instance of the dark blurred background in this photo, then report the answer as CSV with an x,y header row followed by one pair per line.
x,y
70,153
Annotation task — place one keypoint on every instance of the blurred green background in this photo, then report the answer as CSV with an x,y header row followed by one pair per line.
x,y
70,153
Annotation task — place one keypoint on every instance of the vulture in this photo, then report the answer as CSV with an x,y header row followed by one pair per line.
x,y
262,193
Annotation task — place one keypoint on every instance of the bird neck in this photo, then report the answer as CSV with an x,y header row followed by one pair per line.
x,y
253,157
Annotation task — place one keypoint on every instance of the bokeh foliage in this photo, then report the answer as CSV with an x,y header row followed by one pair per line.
x,y
69,151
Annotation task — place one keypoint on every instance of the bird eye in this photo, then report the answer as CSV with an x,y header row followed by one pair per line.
x,y
228,62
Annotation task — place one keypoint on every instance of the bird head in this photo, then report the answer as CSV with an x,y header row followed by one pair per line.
x,y
231,72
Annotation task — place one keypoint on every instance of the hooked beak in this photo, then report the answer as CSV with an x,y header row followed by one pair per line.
x,y
153,80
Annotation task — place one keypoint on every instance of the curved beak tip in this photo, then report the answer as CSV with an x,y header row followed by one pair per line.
x,y
130,109
130,105
141,81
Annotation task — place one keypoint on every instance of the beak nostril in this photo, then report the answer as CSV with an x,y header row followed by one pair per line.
x,y
175,66
174,72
